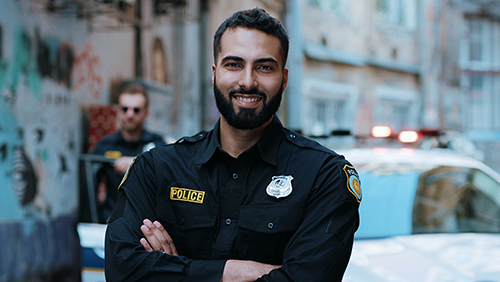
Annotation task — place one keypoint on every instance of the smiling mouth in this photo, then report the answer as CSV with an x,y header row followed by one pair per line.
x,y
248,99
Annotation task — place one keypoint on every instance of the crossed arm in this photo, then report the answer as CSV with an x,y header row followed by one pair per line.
x,y
158,239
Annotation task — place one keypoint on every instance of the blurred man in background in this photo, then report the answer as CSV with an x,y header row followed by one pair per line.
x,y
131,139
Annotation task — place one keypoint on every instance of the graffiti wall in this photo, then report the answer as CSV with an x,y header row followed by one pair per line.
x,y
44,76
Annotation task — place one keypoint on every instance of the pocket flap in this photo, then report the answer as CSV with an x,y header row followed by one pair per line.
x,y
271,218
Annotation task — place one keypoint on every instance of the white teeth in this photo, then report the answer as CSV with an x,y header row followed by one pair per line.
x,y
248,100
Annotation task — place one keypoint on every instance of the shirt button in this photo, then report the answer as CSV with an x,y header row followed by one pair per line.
x,y
292,136
270,225
228,221
235,176
181,221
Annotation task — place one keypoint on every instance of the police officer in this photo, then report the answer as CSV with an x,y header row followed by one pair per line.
x,y
249,200
132,139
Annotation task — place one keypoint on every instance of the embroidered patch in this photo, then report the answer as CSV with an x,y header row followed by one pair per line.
x,y
353,184
187,195
126,173
113,154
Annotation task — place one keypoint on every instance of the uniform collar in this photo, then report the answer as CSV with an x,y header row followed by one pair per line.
x,y
144,138
267,145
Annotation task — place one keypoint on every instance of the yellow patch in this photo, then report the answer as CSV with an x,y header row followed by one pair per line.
x,y
187,195
353,184
113,154
126,173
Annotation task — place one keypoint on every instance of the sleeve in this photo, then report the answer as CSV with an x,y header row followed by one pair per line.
x,y
321,247
125,258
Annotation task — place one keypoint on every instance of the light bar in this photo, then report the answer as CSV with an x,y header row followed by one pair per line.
x,y
381,131
408,136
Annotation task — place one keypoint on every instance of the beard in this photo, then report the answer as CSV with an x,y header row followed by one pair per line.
x,y
247,119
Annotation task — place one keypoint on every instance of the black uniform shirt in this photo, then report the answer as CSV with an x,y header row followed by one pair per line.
x,y
115,146
216,208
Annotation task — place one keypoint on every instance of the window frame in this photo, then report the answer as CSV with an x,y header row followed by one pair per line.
x,y
330,92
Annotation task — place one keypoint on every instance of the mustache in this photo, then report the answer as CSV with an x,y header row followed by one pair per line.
x,y
250,91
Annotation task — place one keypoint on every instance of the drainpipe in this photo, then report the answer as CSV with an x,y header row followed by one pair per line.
x,y
137,43
293,96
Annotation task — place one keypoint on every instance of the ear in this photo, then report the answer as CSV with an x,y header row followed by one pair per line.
x,y
285,79
213,74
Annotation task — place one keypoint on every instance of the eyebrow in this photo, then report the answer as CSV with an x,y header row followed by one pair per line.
x,y
232,58
267,60
239,59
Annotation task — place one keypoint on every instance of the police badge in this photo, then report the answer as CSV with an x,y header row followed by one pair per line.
x,y
280,186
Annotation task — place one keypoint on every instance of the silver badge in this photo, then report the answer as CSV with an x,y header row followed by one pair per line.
x,y
280,186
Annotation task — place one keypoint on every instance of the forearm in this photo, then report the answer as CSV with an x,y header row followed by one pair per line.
x,y
129,262
245,270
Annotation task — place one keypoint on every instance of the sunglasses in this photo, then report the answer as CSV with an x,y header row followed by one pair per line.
x,y
136,110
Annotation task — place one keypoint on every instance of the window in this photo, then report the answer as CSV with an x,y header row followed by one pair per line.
x,y
396,107
328,106
398,12
480,80
337,6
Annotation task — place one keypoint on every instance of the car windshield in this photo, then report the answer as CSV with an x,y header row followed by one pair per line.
x,y
402,199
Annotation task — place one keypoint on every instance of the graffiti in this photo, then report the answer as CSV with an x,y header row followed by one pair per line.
x,y
54,59
34,59
39,123
24,182
87,68
36,114
3,152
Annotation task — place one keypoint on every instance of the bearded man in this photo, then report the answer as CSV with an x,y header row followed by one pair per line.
x,y
249,200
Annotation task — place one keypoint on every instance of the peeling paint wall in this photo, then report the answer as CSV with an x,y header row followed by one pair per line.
x,y
46,72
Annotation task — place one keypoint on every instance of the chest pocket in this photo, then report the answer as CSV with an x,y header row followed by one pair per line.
x,y
271,218
191,226
265,230
185,216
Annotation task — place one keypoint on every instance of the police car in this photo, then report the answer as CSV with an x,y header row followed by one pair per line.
x,y
92,243
426,215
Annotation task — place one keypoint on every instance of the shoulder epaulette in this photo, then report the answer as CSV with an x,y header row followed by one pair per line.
x,y
194,138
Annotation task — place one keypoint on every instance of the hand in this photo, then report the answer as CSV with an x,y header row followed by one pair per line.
x,y
157,238
245,270
121,164
102,191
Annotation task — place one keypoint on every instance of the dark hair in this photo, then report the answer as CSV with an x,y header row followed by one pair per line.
x,y
135,88
257,19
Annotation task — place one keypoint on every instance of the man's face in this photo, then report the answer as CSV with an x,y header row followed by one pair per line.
x,y
132,111
248,77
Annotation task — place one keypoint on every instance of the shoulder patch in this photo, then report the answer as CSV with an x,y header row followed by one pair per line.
x,y
353,183
126,173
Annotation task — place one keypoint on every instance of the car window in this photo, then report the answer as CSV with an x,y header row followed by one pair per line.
x,y
455,199
403,199
388,197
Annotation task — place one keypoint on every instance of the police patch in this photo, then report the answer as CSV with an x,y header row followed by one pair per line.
x,y
353,184
187,195
126,173
113,154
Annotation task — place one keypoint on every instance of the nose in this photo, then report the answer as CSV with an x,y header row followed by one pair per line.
x,y
248,79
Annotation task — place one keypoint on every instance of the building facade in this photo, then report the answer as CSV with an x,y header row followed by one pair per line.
x,y
353,64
